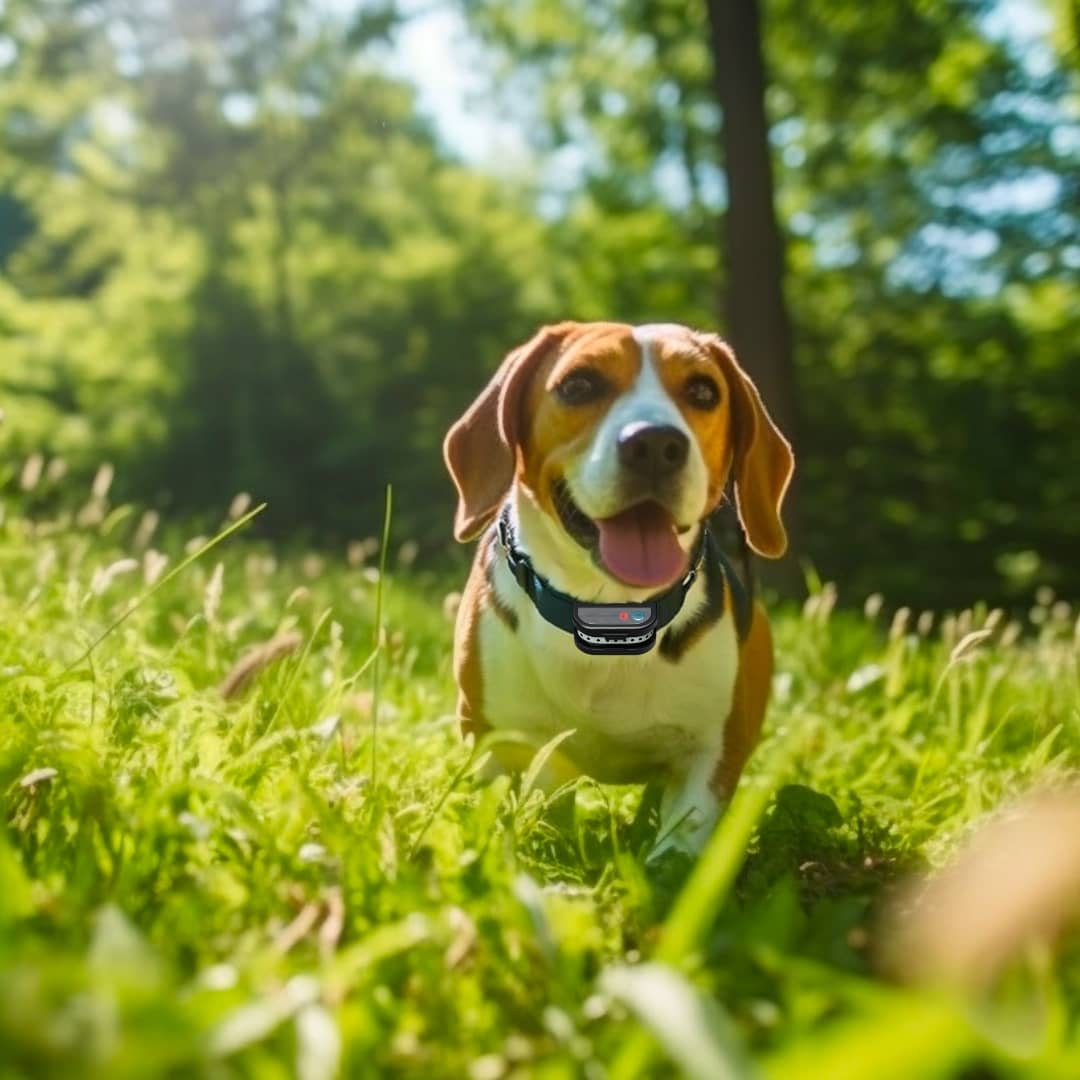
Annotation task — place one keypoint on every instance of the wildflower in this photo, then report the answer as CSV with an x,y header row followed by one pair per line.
x,y
103,578
239,506
256,661
145,530
103,479
212,593
31,472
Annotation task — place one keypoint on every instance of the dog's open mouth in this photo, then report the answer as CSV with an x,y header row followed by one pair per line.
x,y
639,545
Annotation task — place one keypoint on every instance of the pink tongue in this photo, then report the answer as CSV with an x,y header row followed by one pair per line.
x,y
639,546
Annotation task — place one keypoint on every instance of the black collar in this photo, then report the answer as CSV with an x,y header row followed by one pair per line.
x,y
559,608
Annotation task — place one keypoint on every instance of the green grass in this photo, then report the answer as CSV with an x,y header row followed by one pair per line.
x,y
191,886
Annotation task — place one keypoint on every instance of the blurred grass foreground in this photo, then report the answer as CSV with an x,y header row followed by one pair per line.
x,y
205,868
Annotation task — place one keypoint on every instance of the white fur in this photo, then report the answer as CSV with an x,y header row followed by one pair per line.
x,y
636,718
594,479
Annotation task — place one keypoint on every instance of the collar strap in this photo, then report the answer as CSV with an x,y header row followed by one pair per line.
x,y
630,627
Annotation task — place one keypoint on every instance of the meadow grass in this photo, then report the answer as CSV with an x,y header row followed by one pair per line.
x,y
208,866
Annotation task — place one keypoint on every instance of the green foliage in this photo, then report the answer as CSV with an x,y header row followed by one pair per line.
x,y
926,179
252,269
191,885
234,257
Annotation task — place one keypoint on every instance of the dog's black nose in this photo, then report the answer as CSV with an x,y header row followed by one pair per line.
x,y
653,449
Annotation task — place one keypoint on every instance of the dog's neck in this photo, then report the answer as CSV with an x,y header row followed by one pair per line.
x,y
562,561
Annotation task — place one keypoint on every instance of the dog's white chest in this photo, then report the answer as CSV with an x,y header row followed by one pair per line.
x,y
635,717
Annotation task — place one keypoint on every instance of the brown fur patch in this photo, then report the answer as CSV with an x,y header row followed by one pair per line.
x,y
752,685
762,459
678,359
553,434
467,667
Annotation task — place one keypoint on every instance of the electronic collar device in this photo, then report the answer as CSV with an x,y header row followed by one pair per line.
x,y
600,629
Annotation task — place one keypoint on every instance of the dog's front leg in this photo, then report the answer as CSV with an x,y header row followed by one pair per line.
x,y
689,810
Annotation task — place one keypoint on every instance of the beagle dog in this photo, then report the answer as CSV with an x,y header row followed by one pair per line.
x,y
593,458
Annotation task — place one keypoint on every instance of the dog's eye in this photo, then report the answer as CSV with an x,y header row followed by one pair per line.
x,y
702,392
581,387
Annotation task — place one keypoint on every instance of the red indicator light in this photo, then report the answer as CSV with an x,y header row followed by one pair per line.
x,y
624,615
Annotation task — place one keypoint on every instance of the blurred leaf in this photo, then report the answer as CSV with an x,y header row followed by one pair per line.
x,y
16,900
118,950
318,1044
912,1036
693,1031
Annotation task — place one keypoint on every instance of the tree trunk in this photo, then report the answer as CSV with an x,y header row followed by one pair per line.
x,y
756,313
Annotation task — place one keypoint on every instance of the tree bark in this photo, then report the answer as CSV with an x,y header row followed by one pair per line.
x,y
757,317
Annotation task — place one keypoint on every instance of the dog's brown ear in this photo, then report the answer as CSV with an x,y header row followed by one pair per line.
x,y
763,458
480,450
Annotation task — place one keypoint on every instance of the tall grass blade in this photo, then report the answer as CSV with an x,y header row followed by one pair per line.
x,y
376,671
703,895
180,567
540,759
697,1036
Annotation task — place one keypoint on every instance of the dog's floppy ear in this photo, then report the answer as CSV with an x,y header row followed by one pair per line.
x,y
480,450
763,458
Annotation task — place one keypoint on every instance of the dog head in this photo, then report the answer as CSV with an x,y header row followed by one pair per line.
x,y
625,437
